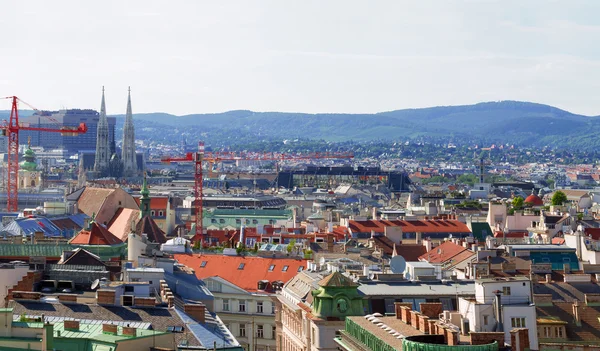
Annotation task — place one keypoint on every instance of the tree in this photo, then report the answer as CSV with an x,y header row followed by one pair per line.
x,y
290,246
517,203
559,198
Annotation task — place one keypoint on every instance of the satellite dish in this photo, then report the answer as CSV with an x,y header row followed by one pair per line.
x,y
397,264
95,284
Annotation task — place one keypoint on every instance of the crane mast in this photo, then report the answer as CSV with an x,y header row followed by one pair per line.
x,y
11,131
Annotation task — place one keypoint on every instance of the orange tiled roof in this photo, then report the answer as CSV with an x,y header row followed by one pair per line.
x,y
120,225
412,226
255,268
91,200
156,203
98,235
445,252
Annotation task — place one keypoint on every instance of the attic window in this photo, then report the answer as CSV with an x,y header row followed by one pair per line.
x,y
285,268
300,268
175,329
271,268
241,266
203,264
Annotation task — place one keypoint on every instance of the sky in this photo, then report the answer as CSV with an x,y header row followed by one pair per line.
x,y
185,57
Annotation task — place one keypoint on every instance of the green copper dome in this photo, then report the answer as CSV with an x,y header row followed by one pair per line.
x,y
28,163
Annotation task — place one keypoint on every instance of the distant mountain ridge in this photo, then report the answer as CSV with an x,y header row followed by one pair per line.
x,y
515,122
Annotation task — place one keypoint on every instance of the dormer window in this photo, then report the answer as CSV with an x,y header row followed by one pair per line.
x,y
262,284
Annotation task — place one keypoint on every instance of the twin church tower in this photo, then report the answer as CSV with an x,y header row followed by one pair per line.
x,y
107,164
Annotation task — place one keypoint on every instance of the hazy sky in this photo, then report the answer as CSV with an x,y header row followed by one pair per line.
x,y
190,56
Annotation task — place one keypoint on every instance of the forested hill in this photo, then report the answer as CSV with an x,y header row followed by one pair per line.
x,y
521,123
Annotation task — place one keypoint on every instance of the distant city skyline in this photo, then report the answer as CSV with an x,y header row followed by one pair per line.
x,y
348,56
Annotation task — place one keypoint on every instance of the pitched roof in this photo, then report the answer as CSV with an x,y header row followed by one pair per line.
x,y
98,235
246,277
446,252
410,252
160,318
336,280
120,224
589,328
91,199
412,226
147,226
79,252
156,203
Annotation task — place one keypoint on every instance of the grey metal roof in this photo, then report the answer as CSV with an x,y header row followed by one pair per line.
x,y
539,247
409,289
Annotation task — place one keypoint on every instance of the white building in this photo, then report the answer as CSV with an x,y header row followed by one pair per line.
x,y
517,308
250,316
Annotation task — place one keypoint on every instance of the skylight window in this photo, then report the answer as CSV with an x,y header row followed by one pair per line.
x,y
300,268
271,268
203,264
241,266
285,268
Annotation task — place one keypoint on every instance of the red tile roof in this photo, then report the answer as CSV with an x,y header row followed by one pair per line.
x,y
412,226
98,235
592,232
156,203
255,268
513,234
445,252
558,241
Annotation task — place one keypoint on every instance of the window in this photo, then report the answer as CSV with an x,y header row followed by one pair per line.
x,y
273,331
517,322
213,221
203,264
152,213
242,330
285,268
485,320
247,221
241,266
506,290
272,308
560,332
254,221
160,213
128,288
260,331
259,307
242,306
271,268
238,221
226,305
221,221
213,285
300,268
271,221
546,332
175,329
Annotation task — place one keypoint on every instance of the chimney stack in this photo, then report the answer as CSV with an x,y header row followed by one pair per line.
x,y
576,312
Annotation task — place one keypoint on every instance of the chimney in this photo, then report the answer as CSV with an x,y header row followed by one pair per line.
x,y
330,242
129,331
499,325
576,312
71,325
196,311
374,210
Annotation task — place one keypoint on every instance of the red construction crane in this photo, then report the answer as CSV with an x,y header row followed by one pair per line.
x,y
212,157
11,129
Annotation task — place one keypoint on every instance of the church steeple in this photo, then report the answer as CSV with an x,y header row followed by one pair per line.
x,y
145,199
128,148
102,142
